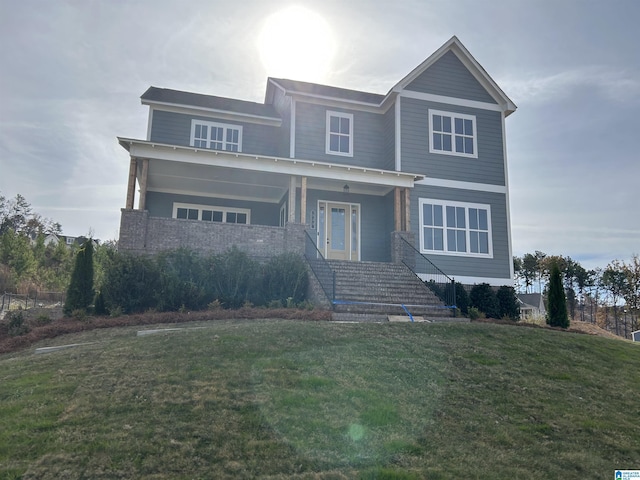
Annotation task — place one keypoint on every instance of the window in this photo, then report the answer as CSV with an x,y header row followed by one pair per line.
x,y
339,134
455,228
207,213
216,136
452,134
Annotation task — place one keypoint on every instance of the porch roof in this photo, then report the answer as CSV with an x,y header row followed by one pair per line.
x,y
259,170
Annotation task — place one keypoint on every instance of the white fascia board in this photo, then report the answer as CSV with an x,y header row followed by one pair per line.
x,y
478,187
225,114
337,103
506,181
398,139
286,166
198,193
469,280
461,102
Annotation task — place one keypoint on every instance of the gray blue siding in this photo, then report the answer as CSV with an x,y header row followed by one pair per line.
x,y
449,77
390,139
175,129
487,168
368,143
497,267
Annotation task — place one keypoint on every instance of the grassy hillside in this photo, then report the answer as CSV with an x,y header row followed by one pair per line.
x,y
285,399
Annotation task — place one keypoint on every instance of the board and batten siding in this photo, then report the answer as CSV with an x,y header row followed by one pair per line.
x,y
497,267
368,136
175,129
449,77
416,158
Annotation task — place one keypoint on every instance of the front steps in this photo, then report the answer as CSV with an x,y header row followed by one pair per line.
x,y
372,291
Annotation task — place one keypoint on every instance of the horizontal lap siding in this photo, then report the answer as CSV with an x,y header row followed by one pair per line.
x,y
449,77
368,142
175,129
497,267
390,139
416,158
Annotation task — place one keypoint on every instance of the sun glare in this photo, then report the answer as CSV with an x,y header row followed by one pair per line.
x,y
296,43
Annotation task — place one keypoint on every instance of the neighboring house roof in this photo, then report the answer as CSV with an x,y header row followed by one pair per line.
x,y
167,96
325,91
532,300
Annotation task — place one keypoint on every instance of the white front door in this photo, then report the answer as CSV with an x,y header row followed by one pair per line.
x,y
339,230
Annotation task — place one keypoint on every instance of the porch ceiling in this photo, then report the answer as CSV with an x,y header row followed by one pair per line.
x,y
196,171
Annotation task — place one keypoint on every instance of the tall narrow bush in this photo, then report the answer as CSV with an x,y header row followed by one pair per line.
x,y
508,303
80,292
484,299
557,315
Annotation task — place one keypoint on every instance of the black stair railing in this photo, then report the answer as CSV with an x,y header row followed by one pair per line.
x,y
320,268
438,281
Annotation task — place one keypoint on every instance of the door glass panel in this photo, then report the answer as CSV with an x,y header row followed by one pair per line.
x,y
354,231
337,228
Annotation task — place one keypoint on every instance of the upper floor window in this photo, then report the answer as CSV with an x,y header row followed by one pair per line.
x,y
207,213
339,134
452,134
455,228
216,136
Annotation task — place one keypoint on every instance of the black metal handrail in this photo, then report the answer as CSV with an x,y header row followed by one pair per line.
x,y
321,268
439,282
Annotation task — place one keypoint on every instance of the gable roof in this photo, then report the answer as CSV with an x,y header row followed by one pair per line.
x,y
455,46
165,96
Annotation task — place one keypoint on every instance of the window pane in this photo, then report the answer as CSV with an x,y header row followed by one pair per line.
x,y
334,143
216,133
451,217
207,215
451,240
231,217
446,124
437,123
334,124
217,216
427,214
193,214
354,230
181,213
344,126
437,141
241,218
344,144
446,143
484,242
459,125
473,218
438,243
459,144
473,242
338,228
428,239
468,145
468,127
461,240
482,219
437,215
460,221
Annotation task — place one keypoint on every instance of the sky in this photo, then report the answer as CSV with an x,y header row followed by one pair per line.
x,y
72,72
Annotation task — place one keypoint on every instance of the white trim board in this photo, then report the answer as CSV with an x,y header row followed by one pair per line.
x,y
460,102
477,187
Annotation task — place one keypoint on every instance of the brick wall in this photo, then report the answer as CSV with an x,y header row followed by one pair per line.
x,y
141,233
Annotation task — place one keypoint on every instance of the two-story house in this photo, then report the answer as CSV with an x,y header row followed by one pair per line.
x,y
353,171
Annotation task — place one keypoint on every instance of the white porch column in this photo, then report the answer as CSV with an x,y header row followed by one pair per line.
x,y
292,198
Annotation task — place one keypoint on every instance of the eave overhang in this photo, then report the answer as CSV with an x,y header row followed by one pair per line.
x,y
260,163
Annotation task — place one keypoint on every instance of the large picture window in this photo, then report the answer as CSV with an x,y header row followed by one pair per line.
x,y
339,134
452,134
455,228
208,213
216,136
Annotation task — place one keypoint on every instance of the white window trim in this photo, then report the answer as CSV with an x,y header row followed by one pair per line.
x,y
466,206
200,208
224,126
328,150
453,116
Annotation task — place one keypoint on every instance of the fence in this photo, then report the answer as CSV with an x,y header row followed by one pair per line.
x,y
35,299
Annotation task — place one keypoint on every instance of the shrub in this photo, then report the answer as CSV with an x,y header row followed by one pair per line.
x,y
80,291
285,279
508,303
131,283
234,278
474,313
184,281
99,307
557,315
484,299
43,319
16,325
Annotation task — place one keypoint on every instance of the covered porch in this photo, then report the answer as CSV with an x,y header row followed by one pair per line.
x,y
209,200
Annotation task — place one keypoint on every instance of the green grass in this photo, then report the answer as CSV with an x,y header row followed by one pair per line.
x,y
286,399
